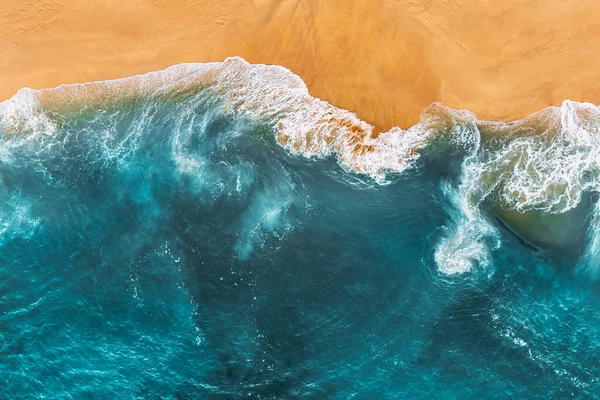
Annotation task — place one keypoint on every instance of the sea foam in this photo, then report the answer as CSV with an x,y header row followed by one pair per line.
x,y
544,163
304,124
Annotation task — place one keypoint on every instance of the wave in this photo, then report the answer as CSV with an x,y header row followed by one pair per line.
x,y
304,124
527,171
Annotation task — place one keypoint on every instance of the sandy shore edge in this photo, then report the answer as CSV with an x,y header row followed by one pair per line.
x,y
384,60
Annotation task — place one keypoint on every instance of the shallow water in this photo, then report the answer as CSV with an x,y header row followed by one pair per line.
x,y
172,249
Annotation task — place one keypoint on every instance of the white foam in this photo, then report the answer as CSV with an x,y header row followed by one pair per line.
x,y
545,162
468,242
304,125
312,127
547,172
23,113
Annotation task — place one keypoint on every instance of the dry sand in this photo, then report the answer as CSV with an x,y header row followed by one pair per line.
x,y
386,60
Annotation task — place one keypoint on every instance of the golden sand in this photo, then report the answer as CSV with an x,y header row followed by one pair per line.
x,y
386,60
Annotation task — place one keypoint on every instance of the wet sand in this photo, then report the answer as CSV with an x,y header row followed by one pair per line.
x,y
386,60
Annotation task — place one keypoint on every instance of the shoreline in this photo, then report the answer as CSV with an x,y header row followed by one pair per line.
x,y
311,127
384,61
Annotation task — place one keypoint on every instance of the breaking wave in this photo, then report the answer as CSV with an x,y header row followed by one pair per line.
x,y
531,174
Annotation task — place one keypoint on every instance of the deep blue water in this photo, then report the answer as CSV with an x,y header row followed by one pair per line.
x,y
169,250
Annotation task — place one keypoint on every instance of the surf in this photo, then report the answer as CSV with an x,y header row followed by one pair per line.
x,y
539,175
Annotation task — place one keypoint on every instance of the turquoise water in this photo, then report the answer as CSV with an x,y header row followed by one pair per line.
x,y
171,249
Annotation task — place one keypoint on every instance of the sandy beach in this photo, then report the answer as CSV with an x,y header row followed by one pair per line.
x,y
385,60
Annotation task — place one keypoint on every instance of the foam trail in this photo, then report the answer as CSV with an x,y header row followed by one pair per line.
x,y
467,244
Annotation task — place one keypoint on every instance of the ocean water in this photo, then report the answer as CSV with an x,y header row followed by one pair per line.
x,y
212,231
